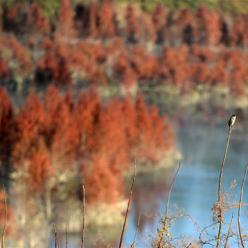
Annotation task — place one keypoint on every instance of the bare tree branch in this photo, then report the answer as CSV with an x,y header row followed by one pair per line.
x,y
239,209
128,206
5,220
165,221
220,200
228,232
83,227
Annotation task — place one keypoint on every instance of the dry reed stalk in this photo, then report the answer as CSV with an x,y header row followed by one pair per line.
x,y
128,206
165,221
83,227
136,231
229,232
66,237
56,239
188,245
239,208
220,200
5,221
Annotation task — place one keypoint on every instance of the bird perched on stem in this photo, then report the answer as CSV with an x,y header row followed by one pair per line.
x,y
231,121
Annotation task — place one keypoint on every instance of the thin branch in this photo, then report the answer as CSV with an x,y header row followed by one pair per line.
x,y
229,232
128,206
165,221
204,230
170,190
220,188
56,240
66,237
5,220
83,228
136,231
239,209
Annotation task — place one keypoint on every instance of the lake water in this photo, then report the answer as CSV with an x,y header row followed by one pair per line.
x,y
195,190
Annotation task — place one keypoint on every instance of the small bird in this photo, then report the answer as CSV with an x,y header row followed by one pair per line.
x,y
232,120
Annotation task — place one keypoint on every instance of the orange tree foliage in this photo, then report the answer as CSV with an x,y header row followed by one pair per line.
x,y
28,124
5,212
65,23
54,66
100,44
159,18
103,19
86,114
58,135
18,53
102,184
133,30
37,21
6,122
4,70
107,26
39,167
154,133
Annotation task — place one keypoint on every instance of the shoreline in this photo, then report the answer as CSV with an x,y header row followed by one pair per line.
x,y
168,162
215,95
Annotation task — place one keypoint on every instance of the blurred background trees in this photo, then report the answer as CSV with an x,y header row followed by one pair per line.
x,y
51,7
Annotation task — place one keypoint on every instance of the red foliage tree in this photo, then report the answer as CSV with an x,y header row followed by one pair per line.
x,y
203,54
53,137
4,70
185,26
110,130
159,17
6,112
39,168
218,74
43,147
5,211
144,64
174,65
6,125
144,125
93,19
106,20
65,22
61,140
64,138
129,78
29,123
201,73
149,32
133,31
37,20
131,130
154,135
54,66
19,53
239,34
238,72
86,114
102,184
209,26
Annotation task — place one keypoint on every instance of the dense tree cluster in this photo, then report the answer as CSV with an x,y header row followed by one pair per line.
x,y
102,44
88,138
